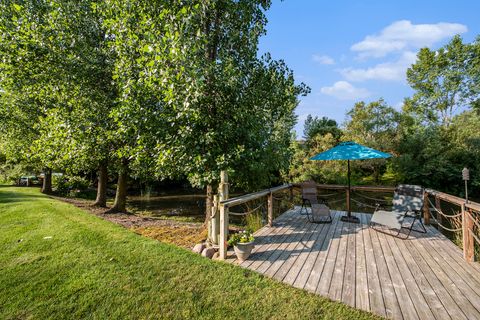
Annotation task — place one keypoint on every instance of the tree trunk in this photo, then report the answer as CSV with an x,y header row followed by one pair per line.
x,y
101,200
120,204
208,204
47,181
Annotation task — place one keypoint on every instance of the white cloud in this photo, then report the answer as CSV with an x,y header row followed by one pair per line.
x,y
323,59
343,90
403,35
392,71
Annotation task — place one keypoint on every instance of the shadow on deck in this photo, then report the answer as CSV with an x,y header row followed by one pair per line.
x,y
423,277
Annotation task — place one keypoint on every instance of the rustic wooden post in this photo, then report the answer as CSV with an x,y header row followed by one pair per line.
x,y
438,205
468,242
426,209
214,221
270,209
223,215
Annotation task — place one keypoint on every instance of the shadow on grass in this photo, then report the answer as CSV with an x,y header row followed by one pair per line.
x,y
10,196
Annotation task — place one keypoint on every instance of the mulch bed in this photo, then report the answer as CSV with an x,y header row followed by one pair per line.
x,y
183,234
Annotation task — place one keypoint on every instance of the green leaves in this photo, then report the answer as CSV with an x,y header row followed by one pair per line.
x,y
444,81
17,7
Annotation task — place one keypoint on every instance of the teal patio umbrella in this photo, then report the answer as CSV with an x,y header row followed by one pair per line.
x,y
350,151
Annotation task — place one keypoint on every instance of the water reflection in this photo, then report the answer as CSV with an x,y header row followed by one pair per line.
x,y
172,205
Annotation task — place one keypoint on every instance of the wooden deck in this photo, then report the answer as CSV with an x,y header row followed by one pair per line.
x,y
424,277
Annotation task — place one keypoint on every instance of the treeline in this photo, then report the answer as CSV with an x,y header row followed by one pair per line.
x,y
147,89
433,137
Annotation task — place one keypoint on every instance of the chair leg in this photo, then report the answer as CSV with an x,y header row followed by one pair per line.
x,y
411,228
304,206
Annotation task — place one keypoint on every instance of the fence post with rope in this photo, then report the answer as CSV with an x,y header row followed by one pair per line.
x,y
223,188
426,209
270,209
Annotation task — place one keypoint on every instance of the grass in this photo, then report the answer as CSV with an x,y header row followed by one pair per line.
x,y
57,262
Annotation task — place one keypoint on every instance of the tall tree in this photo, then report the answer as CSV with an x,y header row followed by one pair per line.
x,y
376,125
73,71
216,105
320,126
29,76
443,80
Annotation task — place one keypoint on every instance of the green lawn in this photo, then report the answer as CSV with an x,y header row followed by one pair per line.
x,y
57,261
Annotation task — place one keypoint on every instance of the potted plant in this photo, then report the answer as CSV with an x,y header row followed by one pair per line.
x,y
242,243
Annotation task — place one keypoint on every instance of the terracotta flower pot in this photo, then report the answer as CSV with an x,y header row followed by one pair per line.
x,y
243,250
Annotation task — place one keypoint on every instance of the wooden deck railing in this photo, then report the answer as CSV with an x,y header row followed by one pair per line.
x,y
465,221
225,204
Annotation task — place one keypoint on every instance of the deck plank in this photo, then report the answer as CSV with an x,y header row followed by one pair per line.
x,y
423,277
450,286
348,291
392,308
308,265
375,295
336,285
292,236
314,278
264,236
454,255
265,253
456,275
289,255
294,270
361,278
411,285
432,299
440,290
327,273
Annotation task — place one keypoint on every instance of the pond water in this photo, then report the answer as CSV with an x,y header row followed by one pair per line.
x,y
189,206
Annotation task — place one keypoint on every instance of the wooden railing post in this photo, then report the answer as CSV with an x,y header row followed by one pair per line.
x,y
468,242
215,221
270,209
426,209
223,215
438,205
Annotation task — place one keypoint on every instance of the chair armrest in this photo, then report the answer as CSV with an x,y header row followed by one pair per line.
x,y
379,206
413,214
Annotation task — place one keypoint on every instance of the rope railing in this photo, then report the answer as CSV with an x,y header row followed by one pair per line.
x,y
474,236
441,212
371,198
475,223
445,228
464,221
335,201
328,195
247,212
362,204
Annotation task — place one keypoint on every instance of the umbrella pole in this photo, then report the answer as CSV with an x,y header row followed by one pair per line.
x,y
349,217
349,212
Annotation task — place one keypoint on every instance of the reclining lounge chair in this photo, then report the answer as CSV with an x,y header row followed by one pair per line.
x,y
317,211
406,209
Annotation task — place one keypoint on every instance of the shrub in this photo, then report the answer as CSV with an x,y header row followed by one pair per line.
x,y
65,185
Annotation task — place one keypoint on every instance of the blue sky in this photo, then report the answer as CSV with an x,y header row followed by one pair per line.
x,y
348,51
